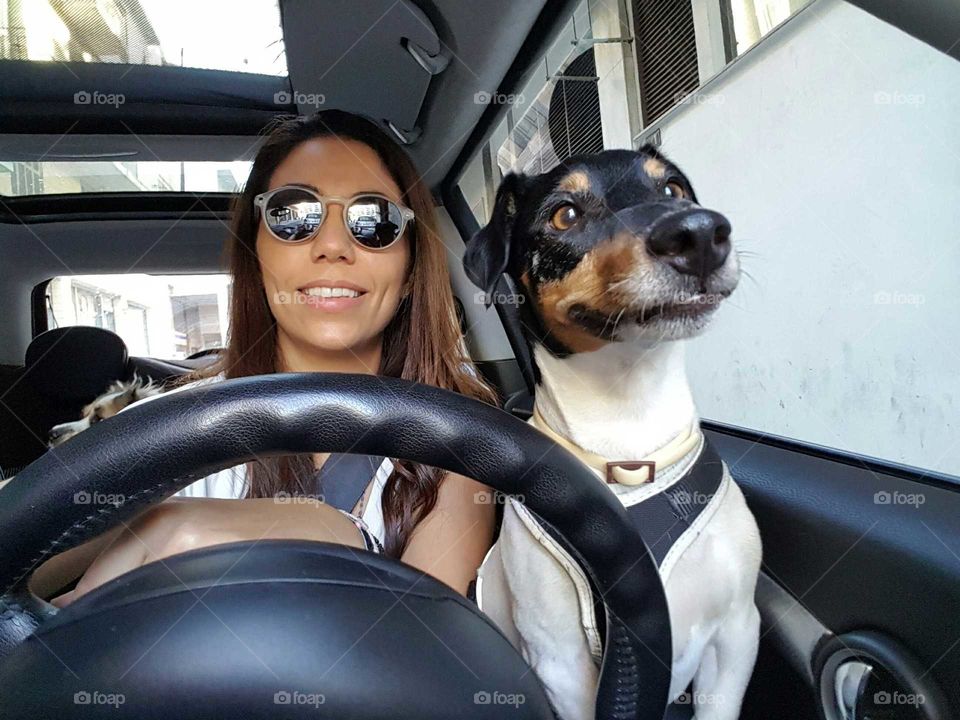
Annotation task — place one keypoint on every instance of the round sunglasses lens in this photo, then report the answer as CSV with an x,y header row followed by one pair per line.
x,y
293,214
374,221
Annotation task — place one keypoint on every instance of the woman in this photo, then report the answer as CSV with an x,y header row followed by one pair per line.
x,y
373,233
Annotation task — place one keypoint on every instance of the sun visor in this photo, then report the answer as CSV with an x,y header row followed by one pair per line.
x,y
376,58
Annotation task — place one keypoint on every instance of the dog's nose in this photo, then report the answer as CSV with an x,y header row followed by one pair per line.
x,y
695,242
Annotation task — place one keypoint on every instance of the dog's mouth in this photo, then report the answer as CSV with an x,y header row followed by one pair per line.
x,y
691,307
682,309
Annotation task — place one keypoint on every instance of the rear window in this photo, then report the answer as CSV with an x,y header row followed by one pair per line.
x,y
162,316
56,178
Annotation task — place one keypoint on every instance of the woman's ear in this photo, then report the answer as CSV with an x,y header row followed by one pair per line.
x,y
488,252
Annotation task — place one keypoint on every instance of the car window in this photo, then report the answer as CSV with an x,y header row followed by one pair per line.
x,y
842,189
55,178
163,316
148,32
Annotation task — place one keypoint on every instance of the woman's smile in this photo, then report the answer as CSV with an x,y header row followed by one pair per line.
x,y
331,295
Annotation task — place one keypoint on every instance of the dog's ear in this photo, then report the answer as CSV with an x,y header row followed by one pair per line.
x,y
652,151
488,252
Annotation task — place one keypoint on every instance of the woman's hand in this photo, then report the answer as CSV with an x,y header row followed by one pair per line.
x,y
181,524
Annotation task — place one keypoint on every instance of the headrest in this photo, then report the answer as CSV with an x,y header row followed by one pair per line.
x,y
76,363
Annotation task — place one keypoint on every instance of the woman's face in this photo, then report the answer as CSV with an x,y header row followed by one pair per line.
x,y
341,168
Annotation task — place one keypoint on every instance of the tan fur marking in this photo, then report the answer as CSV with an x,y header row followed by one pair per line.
x,y
587,285
654,168
113,407
577,181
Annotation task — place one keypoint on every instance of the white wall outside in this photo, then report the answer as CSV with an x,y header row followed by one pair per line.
x,y
833,147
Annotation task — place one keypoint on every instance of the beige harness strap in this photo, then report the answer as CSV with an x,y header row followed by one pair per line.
x,y
626,472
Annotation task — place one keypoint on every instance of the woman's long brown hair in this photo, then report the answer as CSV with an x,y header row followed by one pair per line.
x,y
423,342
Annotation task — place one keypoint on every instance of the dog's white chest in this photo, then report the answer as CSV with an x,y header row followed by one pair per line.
x,y
531,587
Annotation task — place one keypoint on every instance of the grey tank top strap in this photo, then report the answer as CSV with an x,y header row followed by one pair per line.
x,y
344,477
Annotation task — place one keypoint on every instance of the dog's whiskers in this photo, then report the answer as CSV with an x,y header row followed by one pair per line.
x,y
617,322
749,276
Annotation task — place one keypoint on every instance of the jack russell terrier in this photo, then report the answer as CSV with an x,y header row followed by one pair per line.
x,y
615,263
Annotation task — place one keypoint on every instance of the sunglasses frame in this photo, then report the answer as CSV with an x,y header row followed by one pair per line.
x,y
261,200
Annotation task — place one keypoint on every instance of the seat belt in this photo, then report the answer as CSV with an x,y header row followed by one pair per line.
x,y
344,477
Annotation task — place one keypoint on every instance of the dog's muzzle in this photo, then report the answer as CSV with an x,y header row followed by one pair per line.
x,y
692,240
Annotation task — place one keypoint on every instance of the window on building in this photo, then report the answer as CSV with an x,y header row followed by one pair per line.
x,y
554,116
746,21
666,54
573,119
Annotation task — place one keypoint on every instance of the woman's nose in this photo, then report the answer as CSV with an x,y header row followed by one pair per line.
x,y
333,240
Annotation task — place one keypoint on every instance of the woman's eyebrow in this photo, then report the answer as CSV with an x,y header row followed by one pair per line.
x,y
308,186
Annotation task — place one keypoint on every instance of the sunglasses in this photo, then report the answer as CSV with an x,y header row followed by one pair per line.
x,y
294,214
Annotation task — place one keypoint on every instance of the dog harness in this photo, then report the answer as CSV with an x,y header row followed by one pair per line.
x,y
670,496
663,495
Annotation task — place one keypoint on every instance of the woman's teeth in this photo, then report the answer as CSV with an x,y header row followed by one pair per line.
x,y
330,292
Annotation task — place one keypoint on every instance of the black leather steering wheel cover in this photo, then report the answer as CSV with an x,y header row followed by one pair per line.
x,y
149,452
217,632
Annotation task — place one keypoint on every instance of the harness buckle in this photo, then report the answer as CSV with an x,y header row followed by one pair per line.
x,y
651,466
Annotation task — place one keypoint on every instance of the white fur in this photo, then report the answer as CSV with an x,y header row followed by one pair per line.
x,y
119,395
626,400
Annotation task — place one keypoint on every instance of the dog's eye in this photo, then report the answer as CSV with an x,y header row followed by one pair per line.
x,y
565,217
674,189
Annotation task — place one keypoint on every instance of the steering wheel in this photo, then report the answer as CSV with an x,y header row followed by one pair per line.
x,y
204,353
290,629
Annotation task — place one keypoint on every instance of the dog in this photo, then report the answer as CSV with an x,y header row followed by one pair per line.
x,y
615,264
120,394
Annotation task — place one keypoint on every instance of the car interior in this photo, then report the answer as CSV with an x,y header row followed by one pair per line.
x,y
858,596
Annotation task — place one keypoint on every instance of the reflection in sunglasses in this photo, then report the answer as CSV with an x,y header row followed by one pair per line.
x,y
294,214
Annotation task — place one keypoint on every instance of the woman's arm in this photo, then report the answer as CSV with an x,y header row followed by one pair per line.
x,y
178,525
451,542
60,570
